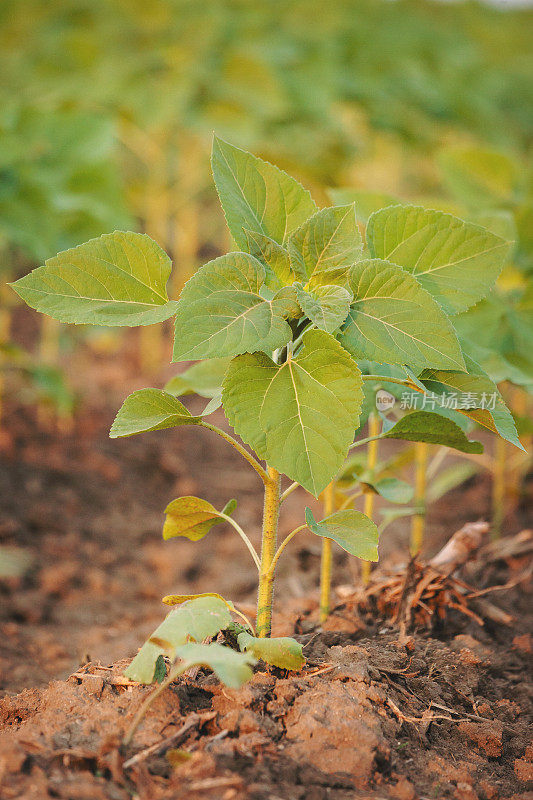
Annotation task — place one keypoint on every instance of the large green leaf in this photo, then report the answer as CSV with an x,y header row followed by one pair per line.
x,y
424,426
117,279
256,195
394,320
352,530
274,257
283,652
221,313
326,306
232,668
196,619
192,517
456,261
300,416
150,410
326,245
474,395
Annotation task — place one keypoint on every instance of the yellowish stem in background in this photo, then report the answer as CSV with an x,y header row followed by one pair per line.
x,y
5,328
268,552
498,486
371,462
418,521
327,558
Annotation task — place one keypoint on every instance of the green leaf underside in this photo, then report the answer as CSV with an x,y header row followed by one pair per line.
x,y
221,313
256,195
480,388
352,530
283,652
392,489
325,246
204,378
117,279
197,619
274,258
192,518
424,426
394,320
230,667
300,416
150,410
326,306
456,261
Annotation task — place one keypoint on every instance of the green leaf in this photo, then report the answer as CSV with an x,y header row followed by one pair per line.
x,y
230,667
274,258
326,306
365,202
283,652
449,478
300,416
475,391
198,619
117,279
352,530
192,517
424,426
479,177
394,320
256,195
150,410
204,378
221,313
456,261
323,249
392,489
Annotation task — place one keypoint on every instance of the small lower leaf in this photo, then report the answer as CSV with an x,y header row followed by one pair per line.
x,y
352,530
230,667
283,652
425,426
192,517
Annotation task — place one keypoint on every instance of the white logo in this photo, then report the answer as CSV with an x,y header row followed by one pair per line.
x,y
384,400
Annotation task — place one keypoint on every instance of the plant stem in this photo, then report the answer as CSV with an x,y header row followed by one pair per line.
x,y
172,675
385,379
498,487
372,459
243,536
268,552
288,491
326,559
239,448
368,439
418,521
283,545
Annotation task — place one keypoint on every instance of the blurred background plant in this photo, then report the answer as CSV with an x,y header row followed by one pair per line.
x,y
106,115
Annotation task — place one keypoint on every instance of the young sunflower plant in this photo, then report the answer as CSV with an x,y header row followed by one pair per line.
x,y
286,325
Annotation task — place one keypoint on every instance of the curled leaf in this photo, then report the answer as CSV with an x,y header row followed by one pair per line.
x,y
192,517
283,651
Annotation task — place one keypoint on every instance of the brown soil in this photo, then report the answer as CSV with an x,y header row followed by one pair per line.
x,y
445,714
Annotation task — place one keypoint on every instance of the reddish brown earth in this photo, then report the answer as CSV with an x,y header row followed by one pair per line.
x,y
445,714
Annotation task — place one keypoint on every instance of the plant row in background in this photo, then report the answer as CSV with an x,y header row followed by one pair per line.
x,y
293,332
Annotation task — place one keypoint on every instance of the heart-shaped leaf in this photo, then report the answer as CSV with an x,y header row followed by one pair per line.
x,y
301,415
325,246
257,196
274,258
326,306
221,312
197,619
192,517
117,279
456,261
283,652
424,426
352,530
394,320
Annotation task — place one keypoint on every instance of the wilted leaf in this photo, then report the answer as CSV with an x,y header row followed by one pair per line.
x,y
192,517
352,530
283,652
301,415
117,279
196,619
